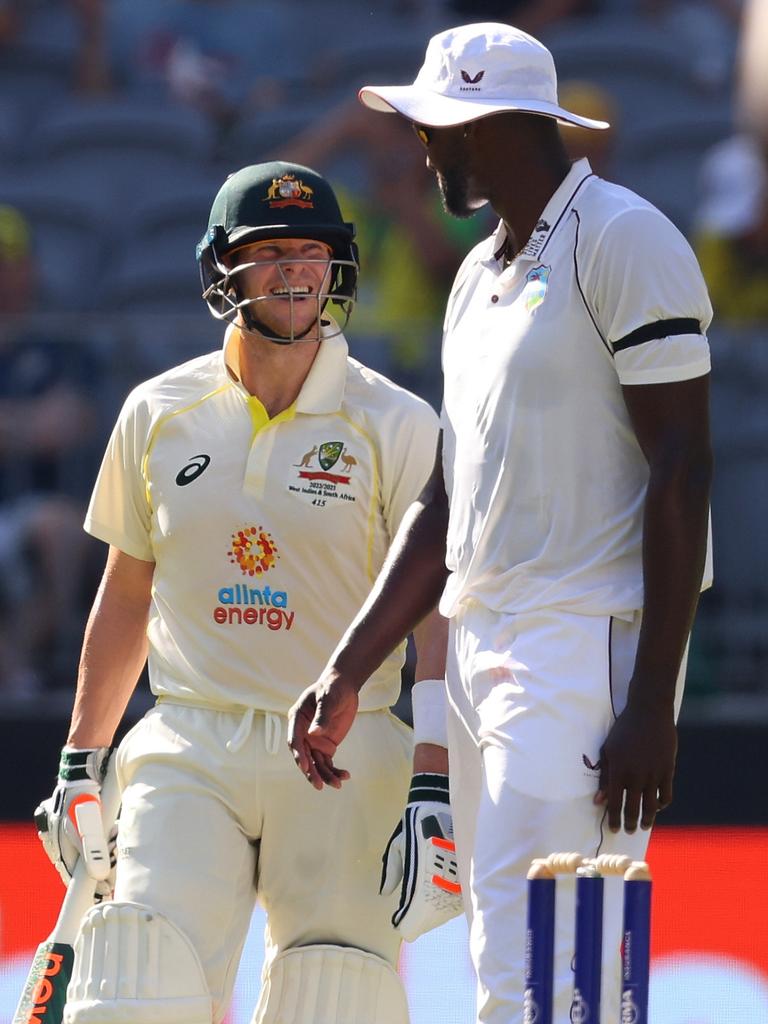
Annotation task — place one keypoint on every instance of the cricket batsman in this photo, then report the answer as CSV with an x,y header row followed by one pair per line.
x,y
249,498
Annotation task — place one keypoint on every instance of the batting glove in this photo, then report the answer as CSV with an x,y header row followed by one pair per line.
x,y
421,858
69,823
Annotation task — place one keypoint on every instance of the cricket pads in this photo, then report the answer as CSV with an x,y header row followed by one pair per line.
x,y
331,985
133,966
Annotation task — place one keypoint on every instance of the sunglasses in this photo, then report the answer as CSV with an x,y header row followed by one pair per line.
x,y
424,134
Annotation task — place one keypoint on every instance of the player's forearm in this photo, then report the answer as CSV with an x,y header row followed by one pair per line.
x,y
114,652
674,552
113,655
429,709
430,757
431,640
407,589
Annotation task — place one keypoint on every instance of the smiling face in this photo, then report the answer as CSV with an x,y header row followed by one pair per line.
x,y
285,282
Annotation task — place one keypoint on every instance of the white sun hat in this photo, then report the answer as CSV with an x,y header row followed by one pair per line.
x,y
473,71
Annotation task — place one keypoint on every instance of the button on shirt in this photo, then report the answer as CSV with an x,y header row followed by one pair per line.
x,y
267,534
545,477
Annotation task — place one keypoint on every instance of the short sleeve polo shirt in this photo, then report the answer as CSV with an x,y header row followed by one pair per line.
x,y
266,534
545,478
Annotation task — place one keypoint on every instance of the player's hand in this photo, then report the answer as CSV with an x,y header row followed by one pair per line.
x,y
637,766
317,723
69,823
421,858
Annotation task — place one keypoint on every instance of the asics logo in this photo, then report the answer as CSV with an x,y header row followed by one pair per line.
x,y
196,465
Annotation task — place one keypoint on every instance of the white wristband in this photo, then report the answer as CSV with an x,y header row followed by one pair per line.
x,y
429,712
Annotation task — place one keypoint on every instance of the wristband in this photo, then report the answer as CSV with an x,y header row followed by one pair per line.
x,y
87,764
429,712
429,786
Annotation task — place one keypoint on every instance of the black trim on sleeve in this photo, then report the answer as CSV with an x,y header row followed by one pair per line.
x,y
658,329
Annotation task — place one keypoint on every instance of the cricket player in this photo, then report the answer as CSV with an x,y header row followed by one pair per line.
x,y
249,498
565,527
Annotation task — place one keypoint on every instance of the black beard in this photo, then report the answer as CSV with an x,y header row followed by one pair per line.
x,y
453,191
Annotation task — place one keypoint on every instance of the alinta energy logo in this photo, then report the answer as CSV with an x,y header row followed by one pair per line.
x,y
253,550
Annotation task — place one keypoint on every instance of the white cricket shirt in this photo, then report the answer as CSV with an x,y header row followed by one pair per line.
x,y
267,534
545,478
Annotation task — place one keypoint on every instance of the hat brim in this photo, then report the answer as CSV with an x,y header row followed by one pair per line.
x,y
436,110
334,234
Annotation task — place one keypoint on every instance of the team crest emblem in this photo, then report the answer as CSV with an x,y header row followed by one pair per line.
x,y
322,476
328,454
289,191
536,282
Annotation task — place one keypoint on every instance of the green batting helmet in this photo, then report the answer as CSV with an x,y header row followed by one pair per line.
x,y
274,200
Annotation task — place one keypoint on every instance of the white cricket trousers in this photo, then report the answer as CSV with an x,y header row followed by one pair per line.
x,y
215,814
531,699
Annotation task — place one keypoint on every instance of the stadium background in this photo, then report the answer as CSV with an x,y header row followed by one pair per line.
x,y
118,121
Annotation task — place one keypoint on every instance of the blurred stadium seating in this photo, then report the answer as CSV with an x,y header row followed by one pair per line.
x,y
660,157
154,268
34,72
734,623
110,146
69,238
255,136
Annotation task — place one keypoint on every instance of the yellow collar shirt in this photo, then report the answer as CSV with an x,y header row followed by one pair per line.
x,y
545,478
266,534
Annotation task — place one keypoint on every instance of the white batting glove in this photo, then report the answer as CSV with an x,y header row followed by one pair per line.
x,y
69,823
421,858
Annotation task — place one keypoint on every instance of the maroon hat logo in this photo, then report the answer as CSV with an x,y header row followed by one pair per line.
x,y
470,80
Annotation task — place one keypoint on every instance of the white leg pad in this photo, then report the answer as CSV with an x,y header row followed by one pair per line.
x,y
331,985
133,966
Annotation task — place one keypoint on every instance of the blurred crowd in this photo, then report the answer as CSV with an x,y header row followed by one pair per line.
x,y
120,118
